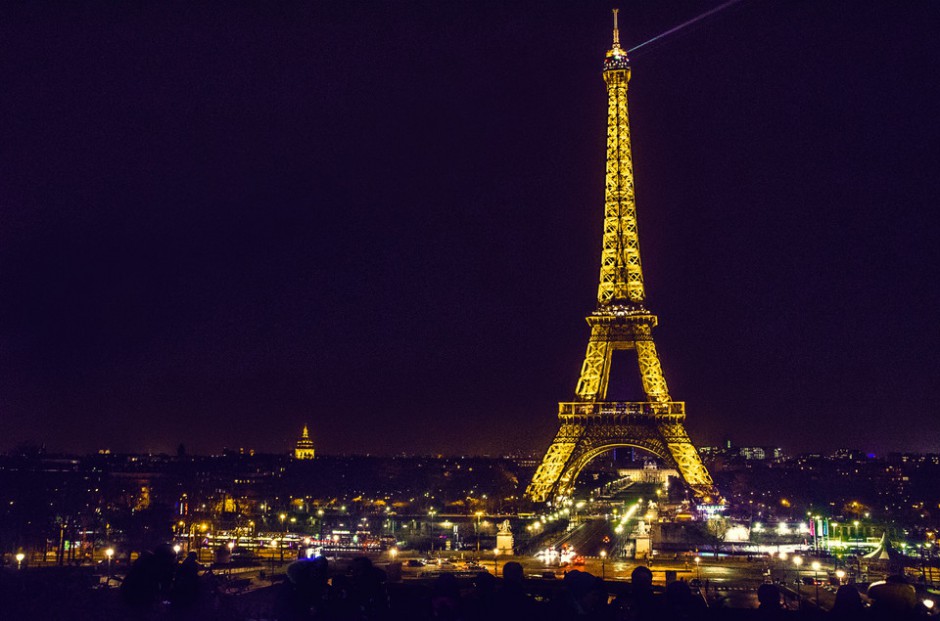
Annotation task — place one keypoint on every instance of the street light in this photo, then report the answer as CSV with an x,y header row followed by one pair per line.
x,y
840,575
783,565
698,568
479,515
283,517
192,534
816,567
392,553
110,554
177,548
495,566
798,560
603,564
273,545
19,560
927,546
855,523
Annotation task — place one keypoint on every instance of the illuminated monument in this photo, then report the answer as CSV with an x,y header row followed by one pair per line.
x,y
591,425
304,447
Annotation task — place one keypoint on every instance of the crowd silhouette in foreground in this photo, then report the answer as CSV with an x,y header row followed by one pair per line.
x,y
363,593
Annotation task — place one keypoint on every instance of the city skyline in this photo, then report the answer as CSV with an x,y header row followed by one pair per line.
x,y
385,223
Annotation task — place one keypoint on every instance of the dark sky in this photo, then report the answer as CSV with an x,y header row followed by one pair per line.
x,y
384,220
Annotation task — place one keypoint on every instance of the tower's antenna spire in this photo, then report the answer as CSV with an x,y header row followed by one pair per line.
x,y
616,30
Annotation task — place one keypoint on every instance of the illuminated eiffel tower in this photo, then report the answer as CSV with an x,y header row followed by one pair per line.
x,y
591,425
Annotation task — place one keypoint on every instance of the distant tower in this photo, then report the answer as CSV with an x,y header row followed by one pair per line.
x,y
591,425
304,448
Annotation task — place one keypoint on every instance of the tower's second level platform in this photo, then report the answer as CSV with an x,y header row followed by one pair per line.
x,y
621,411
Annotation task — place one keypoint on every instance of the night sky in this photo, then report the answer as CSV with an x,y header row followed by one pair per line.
x,y
384,220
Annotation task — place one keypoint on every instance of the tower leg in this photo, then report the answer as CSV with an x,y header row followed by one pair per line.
x,y
651,372
687,459
595,372
554,463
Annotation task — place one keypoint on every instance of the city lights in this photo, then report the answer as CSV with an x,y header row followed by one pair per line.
x,y
223,235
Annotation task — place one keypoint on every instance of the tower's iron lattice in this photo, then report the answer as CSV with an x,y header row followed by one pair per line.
x,y
592,425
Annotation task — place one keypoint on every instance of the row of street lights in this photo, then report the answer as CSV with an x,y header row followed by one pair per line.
x,y
20,557
816,566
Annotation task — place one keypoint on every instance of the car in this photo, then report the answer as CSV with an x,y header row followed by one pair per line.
x,y
414,562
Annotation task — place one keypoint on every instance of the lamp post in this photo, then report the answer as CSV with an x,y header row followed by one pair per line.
x,y
192,534
479,515
927,546
495,566
186,535
855,523
783,567
19,560
816,567
274,543
603,564
283,517
110,554
840,575
798,560
392,553
698,568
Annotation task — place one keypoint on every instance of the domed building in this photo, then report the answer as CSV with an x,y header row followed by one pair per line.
x,y
304,448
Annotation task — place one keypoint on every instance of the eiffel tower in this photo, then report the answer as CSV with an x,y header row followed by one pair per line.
x,y
591,425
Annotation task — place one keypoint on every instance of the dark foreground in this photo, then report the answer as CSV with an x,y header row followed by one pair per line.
x,y
312,589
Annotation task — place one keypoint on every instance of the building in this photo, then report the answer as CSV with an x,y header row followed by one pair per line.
x,y
304,448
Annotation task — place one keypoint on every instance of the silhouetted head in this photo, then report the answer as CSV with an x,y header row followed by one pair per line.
x,y
446,585
485,582
595,599
642,578
848,599
300,572
678,593
893,596
578,583
768,595
360,566
513,572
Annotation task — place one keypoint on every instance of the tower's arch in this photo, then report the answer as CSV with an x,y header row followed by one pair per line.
x,y
593,450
